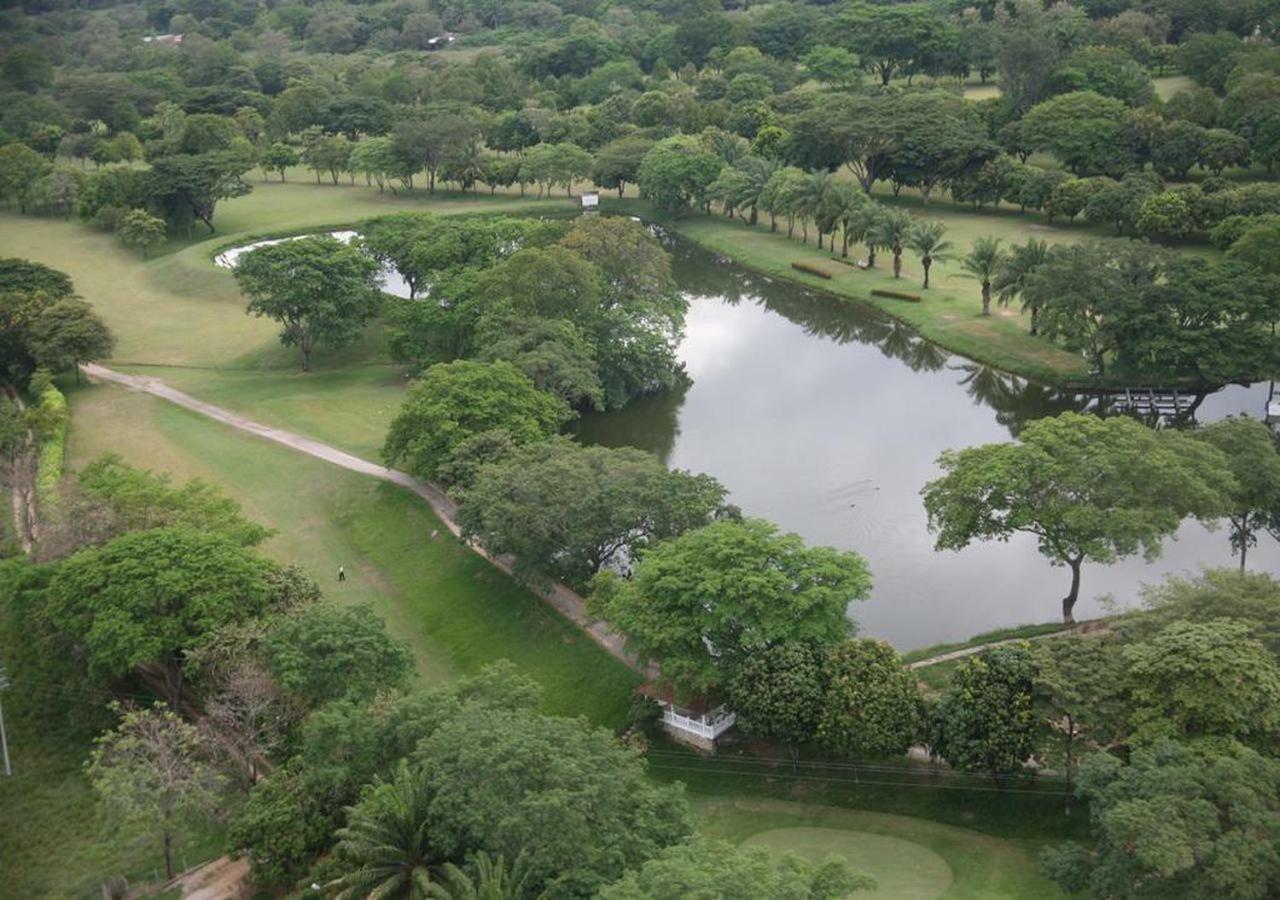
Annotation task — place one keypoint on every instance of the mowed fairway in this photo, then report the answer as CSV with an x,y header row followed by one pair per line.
x,y
911,858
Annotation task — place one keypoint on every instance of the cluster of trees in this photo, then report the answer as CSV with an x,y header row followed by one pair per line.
x,y
294,718
44,323
275,88
1091,489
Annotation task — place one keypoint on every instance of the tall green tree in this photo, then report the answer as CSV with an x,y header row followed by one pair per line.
x,y
150,769
1204,679
567,511
677,172
1251,452
985,722
323,652
704,868
146,599
567,794
927,240
1015,271
67,334
1085,488
456,401
1177,821
321,290
871,707
777,694
705,601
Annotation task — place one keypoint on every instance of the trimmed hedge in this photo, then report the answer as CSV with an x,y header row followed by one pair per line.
x,y
811,270
51,458
895,295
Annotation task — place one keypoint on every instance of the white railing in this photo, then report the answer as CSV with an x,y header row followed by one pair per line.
x,y
710,725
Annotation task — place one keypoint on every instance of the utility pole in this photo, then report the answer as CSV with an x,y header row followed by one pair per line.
x,y
4,741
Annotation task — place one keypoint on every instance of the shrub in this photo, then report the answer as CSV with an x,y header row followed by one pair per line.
x,y
50,460
895,295
811,270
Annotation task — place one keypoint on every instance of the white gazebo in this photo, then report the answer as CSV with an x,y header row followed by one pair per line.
x,y
699,722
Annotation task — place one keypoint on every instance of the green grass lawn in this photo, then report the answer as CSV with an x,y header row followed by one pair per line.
x,y
911,857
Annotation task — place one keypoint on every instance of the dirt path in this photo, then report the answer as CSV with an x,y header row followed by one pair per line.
x,y
223,878
565,601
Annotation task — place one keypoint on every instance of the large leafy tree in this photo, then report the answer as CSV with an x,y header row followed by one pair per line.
x,y
150,769
566,510
319,289
459,400
985,721
567,794
704,602
636,331
1177,821
1083,129
67,334
676,172
324,651
191,184
147,598
1079,697
1251,452
1200,679
1085,488
871,707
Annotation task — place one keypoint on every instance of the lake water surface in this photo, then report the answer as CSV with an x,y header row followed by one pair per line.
x,y
826,418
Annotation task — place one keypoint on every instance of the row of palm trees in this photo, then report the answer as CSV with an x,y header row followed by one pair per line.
x,y
752,184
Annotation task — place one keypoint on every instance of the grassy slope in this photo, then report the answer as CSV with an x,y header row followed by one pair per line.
x,y
455,610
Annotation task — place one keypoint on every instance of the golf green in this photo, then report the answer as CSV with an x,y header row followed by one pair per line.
x,y
904,870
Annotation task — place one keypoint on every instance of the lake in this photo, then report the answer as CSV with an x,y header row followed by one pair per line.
x,y
826,418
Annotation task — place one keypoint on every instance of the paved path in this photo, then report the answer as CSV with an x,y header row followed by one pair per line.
x,y
1081,628
565,601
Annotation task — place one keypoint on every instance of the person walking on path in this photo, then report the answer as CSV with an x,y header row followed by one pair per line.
x,y
342,574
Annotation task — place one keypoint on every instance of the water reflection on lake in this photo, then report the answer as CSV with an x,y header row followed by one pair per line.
x,y
827,418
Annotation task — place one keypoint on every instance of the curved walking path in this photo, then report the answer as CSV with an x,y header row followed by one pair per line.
x,y
1081,628
565,601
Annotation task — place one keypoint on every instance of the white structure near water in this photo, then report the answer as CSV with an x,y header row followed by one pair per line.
x,y
696,726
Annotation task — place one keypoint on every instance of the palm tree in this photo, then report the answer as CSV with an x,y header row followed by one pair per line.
x,y
846,201
928,241
385,848
756,172
983,262
893,229
864,227
1017,267
492,879
809,198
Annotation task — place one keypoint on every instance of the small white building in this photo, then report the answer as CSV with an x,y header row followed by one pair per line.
x,y
697,723
170,40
